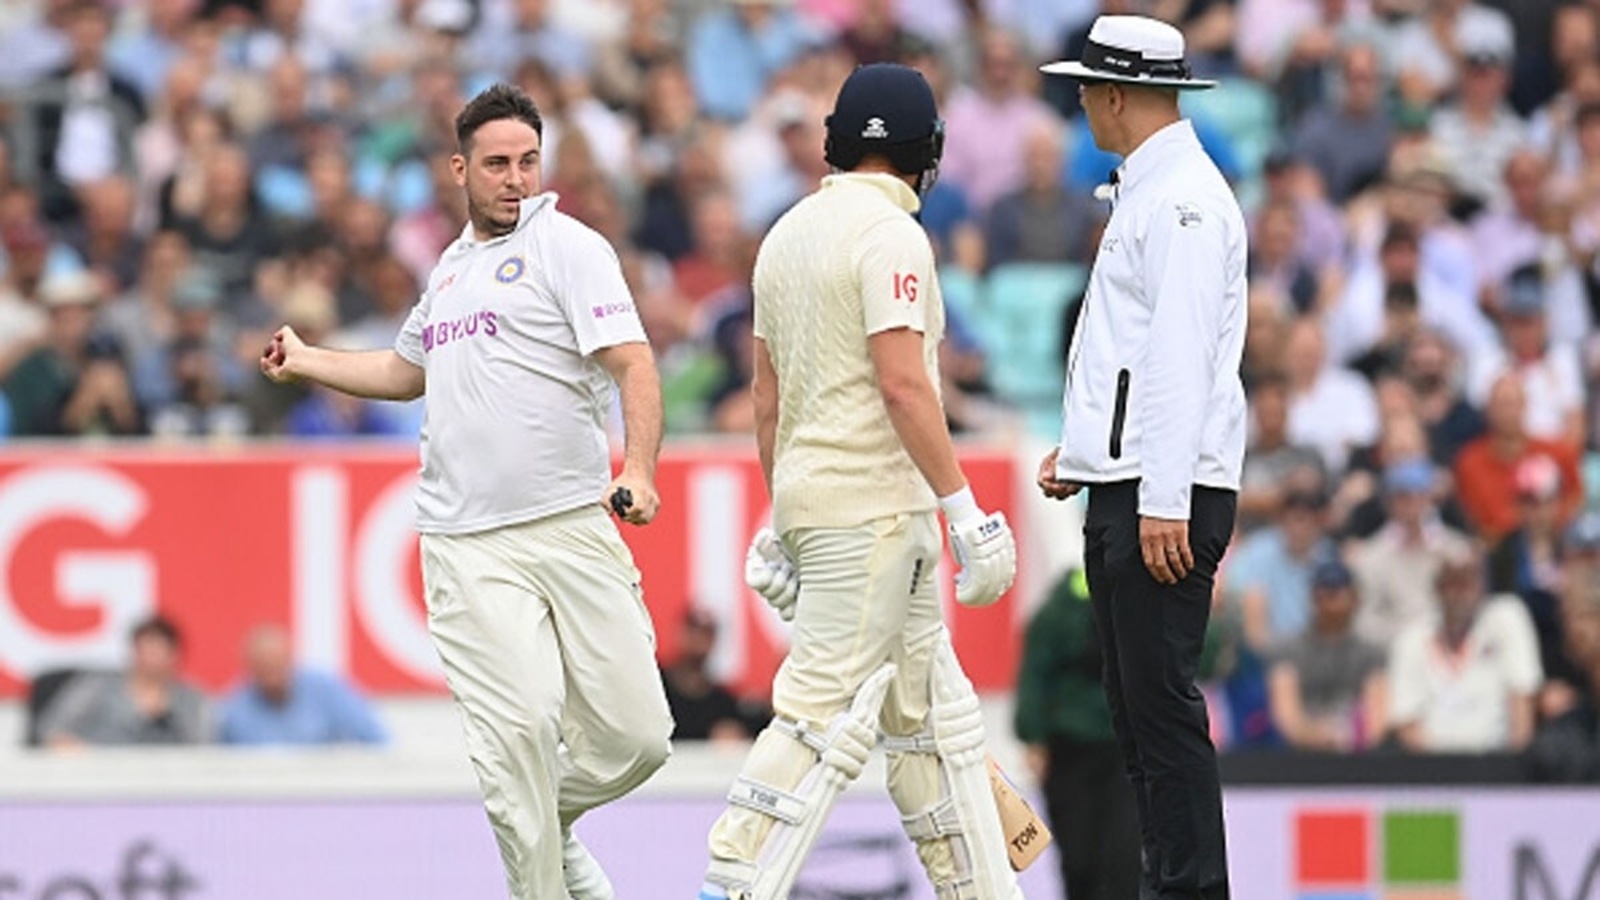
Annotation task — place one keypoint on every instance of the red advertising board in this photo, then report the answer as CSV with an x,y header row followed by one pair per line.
x,y
321,539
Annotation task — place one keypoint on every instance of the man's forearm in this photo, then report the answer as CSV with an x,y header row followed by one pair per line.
x,y
640,389
373,374
918,420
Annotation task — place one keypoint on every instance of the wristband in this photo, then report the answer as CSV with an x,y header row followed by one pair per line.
x,y
960,506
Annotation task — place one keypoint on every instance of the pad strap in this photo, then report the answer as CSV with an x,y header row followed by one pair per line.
x,y
937,821
802,732
922,742
736,876
767,800
960,889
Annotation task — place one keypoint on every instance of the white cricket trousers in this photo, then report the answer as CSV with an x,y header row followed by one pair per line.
x,y
867,596
550,654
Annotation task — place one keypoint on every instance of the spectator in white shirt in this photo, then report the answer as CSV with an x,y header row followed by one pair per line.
x,y
1330,408
1397,566
1479,131
1550,371
1465,682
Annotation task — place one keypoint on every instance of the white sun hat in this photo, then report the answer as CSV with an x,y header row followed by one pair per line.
x,y
1132,50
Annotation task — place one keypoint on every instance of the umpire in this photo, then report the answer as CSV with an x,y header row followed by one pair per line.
x,y
1154,426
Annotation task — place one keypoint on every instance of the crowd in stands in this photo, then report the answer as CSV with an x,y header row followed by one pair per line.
x,y
1417,547
147,702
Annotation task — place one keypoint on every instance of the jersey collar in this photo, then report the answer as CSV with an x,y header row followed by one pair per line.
x,y
892,187
530,208
1158,150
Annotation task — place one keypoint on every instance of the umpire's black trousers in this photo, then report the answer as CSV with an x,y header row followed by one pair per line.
x,y
1152,634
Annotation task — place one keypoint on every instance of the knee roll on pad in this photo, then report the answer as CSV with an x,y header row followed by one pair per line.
x,y
965,815
842,750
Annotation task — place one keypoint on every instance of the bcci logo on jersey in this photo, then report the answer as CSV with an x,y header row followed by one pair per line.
x,y
510,270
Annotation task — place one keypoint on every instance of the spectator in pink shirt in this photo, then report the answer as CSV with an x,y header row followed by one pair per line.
x,y
987,126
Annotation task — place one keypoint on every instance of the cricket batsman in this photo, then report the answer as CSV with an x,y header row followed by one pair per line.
x,y
856,454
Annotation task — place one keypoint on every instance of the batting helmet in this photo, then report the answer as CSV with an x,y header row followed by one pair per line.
x,y
888,110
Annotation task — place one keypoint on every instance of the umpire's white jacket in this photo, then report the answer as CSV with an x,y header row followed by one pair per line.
x,y
1153,389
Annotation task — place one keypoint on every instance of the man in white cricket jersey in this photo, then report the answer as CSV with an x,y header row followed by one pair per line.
x,y
533,599
856,455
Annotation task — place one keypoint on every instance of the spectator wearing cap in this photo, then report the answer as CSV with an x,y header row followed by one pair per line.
x,y
1348,141
1325,686
1042,221
1396,566
1465,681
1269,575
735,50
1430,48
1331,408
1550,371
75,382
1486,469
1479,131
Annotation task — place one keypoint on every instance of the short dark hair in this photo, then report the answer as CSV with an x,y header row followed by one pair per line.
x,y
158,626
496,102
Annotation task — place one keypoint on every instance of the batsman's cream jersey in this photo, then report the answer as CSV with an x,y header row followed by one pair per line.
x,y
1153,388
846,262
515,401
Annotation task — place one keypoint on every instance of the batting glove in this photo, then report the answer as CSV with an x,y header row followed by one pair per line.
x,y
770,572
984,548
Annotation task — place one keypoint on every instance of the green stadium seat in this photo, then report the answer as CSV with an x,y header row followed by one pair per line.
x,y
1024,316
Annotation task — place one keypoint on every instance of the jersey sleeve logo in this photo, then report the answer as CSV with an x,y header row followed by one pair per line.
x,y
1189,215
905,286
510,270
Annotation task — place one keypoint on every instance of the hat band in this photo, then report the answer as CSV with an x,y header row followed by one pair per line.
x,y
1116,61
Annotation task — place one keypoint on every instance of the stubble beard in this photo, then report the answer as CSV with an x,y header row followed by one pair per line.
x,y
485,222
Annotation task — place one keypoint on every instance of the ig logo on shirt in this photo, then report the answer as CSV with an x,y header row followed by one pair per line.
x,y
510,270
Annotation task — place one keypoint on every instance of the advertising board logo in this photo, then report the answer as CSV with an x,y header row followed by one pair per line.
x,y
1359,854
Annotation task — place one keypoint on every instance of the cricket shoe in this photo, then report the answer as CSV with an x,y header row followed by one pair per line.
x,y
584,877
